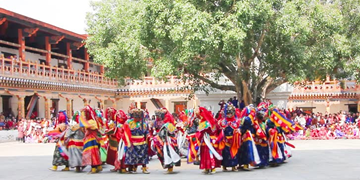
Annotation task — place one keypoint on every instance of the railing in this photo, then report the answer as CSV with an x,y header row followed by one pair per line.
x,y
26,69
175,81
152,82
327,86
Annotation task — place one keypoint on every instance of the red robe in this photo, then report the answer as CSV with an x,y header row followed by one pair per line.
x,y
208,161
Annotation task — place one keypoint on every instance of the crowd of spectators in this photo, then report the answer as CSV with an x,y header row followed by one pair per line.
x,y
341,125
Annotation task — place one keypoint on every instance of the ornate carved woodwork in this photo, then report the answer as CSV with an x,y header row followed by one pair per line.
x,y
55,39
29,32
76,45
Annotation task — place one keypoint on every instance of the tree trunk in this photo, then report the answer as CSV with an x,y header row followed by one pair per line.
x,y
238,92
246,93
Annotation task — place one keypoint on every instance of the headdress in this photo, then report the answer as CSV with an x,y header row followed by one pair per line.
x,y
229,109
62,117
206,116
120,117
169,118
137,113
110,113
160,113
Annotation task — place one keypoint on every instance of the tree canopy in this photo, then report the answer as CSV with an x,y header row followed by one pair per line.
x,y
256,44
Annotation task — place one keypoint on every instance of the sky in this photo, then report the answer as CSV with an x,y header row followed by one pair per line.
x,y
66,14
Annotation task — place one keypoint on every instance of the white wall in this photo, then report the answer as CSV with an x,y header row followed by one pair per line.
x,y
78,104
279,96
62,104
108,103
77,66
212,100
124,104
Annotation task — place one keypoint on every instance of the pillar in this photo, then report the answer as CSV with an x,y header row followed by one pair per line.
x,y
21,107
138,104
102,104
358,106
87,65
48,51
47,108
102,69
167,104
69,53
69,108
328,106
114,103
21,40
195,103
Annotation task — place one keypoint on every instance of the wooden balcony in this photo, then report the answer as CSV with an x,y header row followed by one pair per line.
x,y
327,87
10,67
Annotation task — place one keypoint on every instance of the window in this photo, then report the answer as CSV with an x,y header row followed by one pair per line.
x,y
41,61
8,55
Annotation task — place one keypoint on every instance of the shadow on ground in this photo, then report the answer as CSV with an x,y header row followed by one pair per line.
x,y
304,165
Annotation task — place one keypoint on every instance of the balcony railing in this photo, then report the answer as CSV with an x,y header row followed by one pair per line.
x,y
11,67
327,86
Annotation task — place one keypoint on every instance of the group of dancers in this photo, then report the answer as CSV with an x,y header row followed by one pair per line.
x,y
234,140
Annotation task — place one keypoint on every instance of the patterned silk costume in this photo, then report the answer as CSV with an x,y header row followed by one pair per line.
x,y
165,142
60,157
248,154
230,128
75,136
91,150
208,130
116,147
136,132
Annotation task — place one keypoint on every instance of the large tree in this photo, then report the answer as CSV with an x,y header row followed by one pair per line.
x,y
256,44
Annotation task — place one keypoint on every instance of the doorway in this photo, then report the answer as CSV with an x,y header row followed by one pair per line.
x,y
31,106
179,107
352,108
54,107
6,105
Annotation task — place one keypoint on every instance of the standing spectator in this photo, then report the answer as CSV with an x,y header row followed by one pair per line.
x,y
235,102
221,104
242,105
2,117
308,120
301,120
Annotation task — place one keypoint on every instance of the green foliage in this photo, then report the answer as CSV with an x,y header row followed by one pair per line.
x,y
114,37
256,44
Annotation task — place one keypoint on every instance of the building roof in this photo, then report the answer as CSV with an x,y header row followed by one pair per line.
x,y
30,22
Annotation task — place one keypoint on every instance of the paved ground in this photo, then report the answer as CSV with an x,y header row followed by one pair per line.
x,y
312,160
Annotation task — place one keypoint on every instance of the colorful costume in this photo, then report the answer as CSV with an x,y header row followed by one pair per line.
x,y
191,126
210,153
75,136
260,138
230,128
60,157
115,136
166,143
91,152
61,118
136,132
277,125
248,152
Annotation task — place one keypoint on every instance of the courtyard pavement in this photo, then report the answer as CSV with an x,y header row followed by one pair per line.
x,y
312,160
